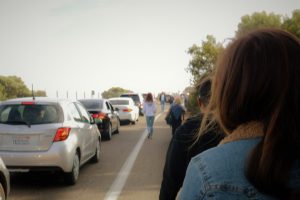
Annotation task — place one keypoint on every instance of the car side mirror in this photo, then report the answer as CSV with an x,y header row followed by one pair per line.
x,y
92,120
117,109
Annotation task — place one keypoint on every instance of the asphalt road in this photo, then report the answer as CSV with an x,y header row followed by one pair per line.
x,y
130,168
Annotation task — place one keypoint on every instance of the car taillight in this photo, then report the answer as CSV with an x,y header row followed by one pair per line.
x,y
62,134
99,115
28,103
127,110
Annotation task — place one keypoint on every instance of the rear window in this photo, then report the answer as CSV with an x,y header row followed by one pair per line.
x,y
119,102
30,114
133,96
92,104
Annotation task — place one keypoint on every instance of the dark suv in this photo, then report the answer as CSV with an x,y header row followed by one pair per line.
x,y
138,100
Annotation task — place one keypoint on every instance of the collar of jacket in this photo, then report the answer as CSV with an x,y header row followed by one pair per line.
x,y
248,130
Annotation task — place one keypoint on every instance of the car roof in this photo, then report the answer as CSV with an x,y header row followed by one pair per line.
x,y
36,99
130,93
121,98
92,99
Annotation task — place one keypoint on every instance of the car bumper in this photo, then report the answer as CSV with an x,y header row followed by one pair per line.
x,y
126,116
58,157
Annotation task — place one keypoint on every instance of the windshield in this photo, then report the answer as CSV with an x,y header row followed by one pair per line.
x,y
133,96
30,114
119,102
92,104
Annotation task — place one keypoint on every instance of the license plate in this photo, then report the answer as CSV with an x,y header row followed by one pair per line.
x,y
21,140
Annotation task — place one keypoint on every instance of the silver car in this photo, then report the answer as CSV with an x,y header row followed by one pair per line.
x,y
47,134
4,181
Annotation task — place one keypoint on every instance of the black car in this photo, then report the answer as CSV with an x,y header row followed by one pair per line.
x,y
138,100
106,118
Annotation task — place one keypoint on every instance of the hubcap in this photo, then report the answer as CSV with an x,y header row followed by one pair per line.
x,y
110,130
98,150
76,167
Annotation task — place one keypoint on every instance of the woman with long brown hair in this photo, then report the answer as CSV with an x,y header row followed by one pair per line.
x,y
256,100
149,110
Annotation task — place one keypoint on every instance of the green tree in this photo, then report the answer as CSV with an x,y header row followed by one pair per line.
x,y
13,87
293,24
2,93
40,93
114,92
204,58
258,20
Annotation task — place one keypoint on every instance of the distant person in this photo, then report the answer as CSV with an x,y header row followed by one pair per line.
x,y
256,99
177,112
171,100
184,145
149,110
183,101
162,101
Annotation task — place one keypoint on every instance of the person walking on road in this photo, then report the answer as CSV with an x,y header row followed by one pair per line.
x,y
149,110
184,145
255,98
177,114
162,101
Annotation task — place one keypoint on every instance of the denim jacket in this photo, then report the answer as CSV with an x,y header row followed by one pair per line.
x,y
218,173
180,151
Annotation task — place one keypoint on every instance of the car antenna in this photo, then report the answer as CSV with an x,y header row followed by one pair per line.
x,y
33,98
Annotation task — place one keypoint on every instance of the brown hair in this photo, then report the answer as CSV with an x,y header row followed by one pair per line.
x,y
204,90
258,79
149,97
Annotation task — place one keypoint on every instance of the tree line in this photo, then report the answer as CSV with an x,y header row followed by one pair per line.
x,y
204,56
14,87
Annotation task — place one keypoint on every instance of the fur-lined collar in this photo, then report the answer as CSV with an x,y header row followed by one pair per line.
x,y
245,131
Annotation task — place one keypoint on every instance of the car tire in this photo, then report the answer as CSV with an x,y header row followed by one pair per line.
x,y
96,157
109,132
72,177
2,192
118,126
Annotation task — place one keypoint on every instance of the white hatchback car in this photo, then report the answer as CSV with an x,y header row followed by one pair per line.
x,y
127,109
47,134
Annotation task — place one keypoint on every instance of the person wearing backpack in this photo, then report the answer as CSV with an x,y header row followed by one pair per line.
x,y
177,114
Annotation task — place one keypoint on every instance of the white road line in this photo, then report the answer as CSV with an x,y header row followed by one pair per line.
x,y
118,184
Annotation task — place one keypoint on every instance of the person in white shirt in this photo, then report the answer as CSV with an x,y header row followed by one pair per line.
x,y
149,110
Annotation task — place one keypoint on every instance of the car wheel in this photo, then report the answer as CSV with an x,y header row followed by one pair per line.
x,y
109,132
118,126
96,157
71,177
2,192
137,118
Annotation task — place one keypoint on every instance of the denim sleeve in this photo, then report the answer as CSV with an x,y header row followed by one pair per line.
x,y
193,185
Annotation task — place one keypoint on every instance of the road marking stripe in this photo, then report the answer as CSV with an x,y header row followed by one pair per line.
x,y
118,184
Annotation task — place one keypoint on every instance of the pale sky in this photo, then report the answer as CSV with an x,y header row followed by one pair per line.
x,y
140,45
